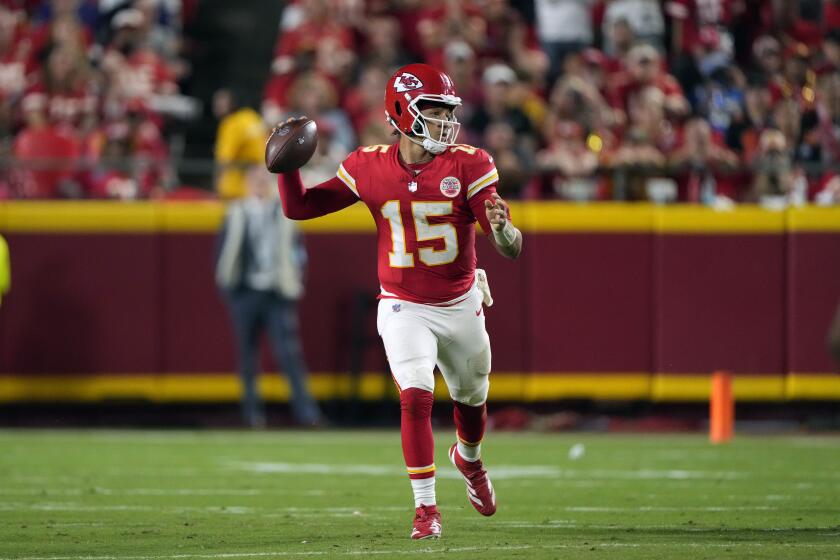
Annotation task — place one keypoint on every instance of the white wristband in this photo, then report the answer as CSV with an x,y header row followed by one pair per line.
x,y
506,237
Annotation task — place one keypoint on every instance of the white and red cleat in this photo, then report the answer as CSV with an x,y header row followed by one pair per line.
x,y
479,489
426,523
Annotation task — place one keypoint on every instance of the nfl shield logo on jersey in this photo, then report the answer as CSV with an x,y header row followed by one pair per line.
x,y
396,307
450,186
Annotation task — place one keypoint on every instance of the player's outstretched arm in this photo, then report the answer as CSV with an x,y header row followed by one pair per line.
x,y
506,237
300,203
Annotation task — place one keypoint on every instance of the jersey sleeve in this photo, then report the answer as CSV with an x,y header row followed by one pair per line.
x,y
348,170
479,209
479,172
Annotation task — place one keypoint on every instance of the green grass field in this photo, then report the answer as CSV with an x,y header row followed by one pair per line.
x,y
102,495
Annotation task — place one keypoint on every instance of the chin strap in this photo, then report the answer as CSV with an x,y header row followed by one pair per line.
x,y
434,147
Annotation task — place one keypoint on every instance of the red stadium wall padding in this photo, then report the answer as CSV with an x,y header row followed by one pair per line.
x,y
195,335
589,302
341,268
813,295
720,303
687,291
83,303
507,320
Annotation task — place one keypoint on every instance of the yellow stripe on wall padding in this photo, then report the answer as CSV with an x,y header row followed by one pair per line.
x,y
532,217
814,219
526,387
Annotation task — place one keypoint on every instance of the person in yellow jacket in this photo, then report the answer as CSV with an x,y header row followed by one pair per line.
x,y
5,268
240,142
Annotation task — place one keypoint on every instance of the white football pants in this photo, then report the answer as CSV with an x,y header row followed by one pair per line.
x,y
417,337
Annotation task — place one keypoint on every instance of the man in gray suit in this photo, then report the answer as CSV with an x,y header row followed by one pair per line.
x,y
260,272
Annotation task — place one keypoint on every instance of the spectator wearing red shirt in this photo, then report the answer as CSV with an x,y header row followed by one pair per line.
x,y
134,71
702,166
797,80
129,158
803,22
443,20
691,18
48,155
621,38
568,165
831,15
382,46
644,70
364,101
316,32
66,82
63,30
511,40
642,152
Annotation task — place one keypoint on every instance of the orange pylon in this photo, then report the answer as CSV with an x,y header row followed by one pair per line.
x,y
721,408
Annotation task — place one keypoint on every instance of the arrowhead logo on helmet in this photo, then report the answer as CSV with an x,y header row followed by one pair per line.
x,y
407,82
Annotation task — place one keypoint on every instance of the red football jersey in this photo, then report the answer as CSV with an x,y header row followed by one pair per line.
x,y
425,218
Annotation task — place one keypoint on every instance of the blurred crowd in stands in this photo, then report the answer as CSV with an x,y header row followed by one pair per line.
x,y
85,88
709,101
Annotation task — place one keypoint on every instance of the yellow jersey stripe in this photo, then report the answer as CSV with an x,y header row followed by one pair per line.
x,y
482,178
487,182
347,179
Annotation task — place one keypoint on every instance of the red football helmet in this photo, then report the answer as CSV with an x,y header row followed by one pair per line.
x,y
408,87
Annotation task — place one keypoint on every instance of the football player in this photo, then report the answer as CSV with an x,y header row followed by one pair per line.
x,y
425,193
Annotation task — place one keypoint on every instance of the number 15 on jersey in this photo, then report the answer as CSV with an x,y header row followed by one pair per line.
x,y
399,257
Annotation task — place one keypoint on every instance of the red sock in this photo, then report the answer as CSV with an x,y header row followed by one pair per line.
x,y
416,429
470,421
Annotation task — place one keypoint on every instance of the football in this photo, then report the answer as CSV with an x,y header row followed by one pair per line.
x,y
290,145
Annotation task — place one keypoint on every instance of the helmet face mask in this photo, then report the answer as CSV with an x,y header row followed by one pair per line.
x,y
424,125
411,90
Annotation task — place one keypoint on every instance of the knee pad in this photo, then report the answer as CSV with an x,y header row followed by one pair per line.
x,y
480,363
414,373
473,389
416,403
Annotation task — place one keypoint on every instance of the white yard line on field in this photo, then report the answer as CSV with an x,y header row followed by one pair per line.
x,y
72,506
357,510
599,509
134,492
497,472
437,550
